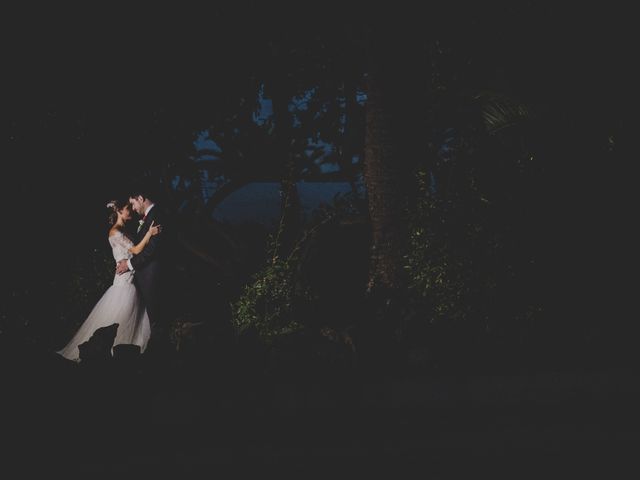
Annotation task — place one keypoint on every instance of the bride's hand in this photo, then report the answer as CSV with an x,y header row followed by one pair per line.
x,y
155,229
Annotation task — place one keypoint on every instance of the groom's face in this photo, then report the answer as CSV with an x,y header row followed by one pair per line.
x,y
137,203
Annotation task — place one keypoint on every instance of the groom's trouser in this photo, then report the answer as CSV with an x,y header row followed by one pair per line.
x,y
151,285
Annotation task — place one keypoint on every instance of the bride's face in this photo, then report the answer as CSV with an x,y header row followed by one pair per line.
x,y
125,213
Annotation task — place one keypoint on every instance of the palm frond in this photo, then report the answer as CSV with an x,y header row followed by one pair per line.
x,y
499,111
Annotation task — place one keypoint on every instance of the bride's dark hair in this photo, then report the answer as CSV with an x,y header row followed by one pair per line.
x,y
114,206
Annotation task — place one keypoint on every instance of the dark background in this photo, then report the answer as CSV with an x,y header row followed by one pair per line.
x,y
106,71
91,94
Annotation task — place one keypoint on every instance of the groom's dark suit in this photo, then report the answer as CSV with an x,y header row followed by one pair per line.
x,y
150,275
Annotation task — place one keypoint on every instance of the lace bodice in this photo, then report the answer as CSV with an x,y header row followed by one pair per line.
x,y
120,246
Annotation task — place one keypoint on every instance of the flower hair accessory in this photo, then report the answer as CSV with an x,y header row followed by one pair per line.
x,y
111,204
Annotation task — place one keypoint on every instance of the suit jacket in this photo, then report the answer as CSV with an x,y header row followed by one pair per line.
x,y
152,276
147,262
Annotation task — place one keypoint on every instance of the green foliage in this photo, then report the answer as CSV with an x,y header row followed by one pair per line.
x,y
439,262
472,248
468,263
268,301
272,301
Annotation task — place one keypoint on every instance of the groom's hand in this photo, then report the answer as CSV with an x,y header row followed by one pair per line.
x,y
122,267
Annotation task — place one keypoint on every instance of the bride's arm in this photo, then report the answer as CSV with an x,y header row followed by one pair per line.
x,y
153,230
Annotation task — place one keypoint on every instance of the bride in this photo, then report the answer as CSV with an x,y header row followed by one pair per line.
x,y
121,303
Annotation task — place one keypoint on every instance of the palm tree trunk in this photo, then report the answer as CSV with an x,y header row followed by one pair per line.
x,y
383,180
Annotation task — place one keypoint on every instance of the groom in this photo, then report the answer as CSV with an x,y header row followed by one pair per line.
x,y
149,267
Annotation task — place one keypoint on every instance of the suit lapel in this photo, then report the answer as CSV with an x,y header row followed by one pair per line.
x,y
145,226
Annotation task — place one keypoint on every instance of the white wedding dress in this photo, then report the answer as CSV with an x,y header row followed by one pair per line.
x,y
120,304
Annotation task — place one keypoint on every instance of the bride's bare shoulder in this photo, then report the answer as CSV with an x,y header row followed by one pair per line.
x,y
114,231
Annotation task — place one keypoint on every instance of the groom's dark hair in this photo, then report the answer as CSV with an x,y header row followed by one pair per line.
x,y
140,193
143,191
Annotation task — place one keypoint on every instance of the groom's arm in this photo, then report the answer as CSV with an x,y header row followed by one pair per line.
x,y
150,251
147,255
